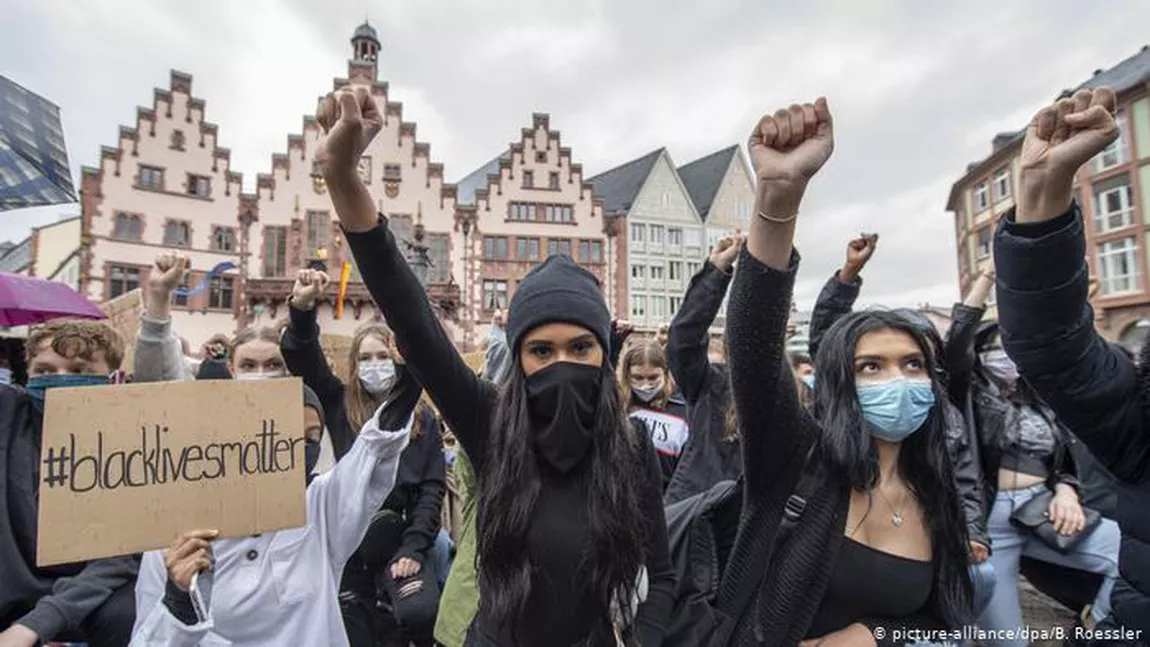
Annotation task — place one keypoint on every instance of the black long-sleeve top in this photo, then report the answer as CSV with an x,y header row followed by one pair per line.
x,y
1048,330
785,583
837,299
421,480
559,611
708,457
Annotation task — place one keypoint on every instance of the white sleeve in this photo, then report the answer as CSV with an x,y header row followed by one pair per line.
x,y
155,625
158,355
341,502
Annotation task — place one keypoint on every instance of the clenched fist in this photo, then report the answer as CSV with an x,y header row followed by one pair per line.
x,y
725,251
1061,138
859,252
789,147
309,286
351,119
168,273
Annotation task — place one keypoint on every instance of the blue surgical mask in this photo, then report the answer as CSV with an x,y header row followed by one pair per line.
x,y
809,380
5,376
39,384
896,409
449,456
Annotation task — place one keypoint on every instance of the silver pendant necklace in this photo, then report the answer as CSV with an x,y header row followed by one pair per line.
x,y
895,515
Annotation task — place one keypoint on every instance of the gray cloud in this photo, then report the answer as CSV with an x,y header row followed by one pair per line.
x,y
918,89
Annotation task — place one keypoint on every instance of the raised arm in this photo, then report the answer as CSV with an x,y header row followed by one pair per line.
x,y
787,149
1047,322
352,119
158,356
840,292
303,353
959,346
689,336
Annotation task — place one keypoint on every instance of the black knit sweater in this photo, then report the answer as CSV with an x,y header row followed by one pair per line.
x,y
559,611
789,580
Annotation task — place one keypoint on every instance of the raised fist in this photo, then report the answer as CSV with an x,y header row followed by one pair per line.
x,y
1061,138
309,286
499,318
168,273
662,333
790,146
725,251
351,119
859,252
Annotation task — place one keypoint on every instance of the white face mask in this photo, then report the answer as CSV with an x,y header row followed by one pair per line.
x,y
647,394
377,376
5,376
998,363
260,375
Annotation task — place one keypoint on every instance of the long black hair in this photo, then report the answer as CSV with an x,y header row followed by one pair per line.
x,y
509,491
924,464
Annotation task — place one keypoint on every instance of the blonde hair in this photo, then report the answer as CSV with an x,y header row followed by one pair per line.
x,y
360,404
247,335
645,353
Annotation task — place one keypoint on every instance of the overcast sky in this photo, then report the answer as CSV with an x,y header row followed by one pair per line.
x,y
918,89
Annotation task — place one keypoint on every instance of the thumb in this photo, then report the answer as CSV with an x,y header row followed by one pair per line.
x,y
349,107
823,114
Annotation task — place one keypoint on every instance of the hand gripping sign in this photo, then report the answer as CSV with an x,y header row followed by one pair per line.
x,y
125,468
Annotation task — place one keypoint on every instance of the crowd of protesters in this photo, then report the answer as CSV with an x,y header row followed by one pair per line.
x,y
606,487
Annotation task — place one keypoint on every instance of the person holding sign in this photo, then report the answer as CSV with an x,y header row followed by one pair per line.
x,y
89,601
572,545
282,587
390,563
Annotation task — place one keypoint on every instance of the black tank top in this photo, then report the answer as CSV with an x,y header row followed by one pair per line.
x,y
869,583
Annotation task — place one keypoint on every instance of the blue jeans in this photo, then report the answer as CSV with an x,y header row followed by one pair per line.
x,y
984,582
1095,553
441,556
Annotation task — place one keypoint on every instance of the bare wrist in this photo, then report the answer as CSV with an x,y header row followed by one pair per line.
x,y
848,274
302,304
1043,197
780,198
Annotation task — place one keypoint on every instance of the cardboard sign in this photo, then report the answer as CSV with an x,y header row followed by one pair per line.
x,y
127,468
124,314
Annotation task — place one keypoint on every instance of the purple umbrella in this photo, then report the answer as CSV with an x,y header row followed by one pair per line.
x,y
26,300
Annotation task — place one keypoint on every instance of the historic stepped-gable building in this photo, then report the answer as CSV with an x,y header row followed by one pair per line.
x,y
297,227
528,203
167,184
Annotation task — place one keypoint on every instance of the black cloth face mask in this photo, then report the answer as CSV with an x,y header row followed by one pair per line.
x,y
562,399
310,458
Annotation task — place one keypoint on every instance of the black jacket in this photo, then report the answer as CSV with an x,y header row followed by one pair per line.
x,y
559,610
52,599
837,299
421,481
988,409
789,580
1048,329
707,458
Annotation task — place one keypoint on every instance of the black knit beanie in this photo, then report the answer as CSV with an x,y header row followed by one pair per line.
x,y
558,290
310,399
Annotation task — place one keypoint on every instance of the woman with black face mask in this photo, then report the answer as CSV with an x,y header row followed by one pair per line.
x,y
572,543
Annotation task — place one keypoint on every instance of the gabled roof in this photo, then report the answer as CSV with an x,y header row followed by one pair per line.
x,y
1129,73
465,188
703,177
619,186
18,257
1124,76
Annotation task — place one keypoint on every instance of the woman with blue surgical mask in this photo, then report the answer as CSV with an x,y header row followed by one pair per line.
x,y
851,528
392,568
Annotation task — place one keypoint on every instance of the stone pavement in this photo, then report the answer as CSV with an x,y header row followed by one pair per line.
x,y
1040,612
